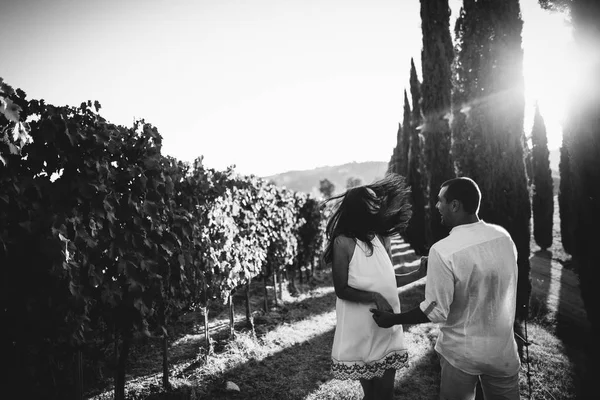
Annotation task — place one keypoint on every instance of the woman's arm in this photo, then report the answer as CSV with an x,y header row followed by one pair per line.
x,y
343,249
410,277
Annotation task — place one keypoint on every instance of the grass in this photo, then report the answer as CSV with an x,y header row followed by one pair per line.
x,y
290,356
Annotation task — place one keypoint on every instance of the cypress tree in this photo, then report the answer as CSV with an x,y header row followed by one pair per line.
x,y
403,154
437,56
581,137
491,84
528,163
543,188
465,87
394,164
565,202
415,231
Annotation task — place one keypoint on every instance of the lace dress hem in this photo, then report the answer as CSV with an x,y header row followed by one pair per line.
x,y
346,370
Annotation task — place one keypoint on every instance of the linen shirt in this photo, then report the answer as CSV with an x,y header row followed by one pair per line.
x,y
470,292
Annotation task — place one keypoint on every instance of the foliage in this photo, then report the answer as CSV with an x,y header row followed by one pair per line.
x,y
437,56
353,182
395,159
543,191
415,232
556,5
582,139
406,134
326,188
124,239
565,201
488,136
311,233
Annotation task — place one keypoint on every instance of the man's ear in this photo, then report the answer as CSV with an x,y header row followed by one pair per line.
x,y
455,205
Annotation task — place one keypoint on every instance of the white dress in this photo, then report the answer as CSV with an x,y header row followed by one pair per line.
x,y
361,349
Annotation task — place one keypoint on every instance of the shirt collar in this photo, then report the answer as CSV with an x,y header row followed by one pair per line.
x,y
466,226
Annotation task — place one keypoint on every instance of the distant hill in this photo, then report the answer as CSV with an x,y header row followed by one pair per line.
x,y
308,180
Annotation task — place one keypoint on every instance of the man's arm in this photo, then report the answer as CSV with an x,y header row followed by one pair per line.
x,y
387,319
410,277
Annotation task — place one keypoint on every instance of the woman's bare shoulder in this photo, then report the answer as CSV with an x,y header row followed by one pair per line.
x,y
344,242
343,247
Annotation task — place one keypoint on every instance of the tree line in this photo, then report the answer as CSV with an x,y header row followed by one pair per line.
x,y
465,118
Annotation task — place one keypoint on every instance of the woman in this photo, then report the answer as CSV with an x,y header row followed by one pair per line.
x,y
358,248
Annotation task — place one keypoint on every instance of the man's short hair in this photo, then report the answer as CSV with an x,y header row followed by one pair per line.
x,y
464,190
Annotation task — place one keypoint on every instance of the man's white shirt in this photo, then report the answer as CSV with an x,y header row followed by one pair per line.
x,y
470,291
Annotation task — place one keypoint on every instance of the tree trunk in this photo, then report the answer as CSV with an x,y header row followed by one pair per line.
x,y
266,294
165,349
275,289
292,288
205,315
249,318
121,366
116,359
280,286
78,375
165,362
231,317
206,333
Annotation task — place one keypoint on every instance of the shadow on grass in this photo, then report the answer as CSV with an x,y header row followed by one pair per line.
x,y
187,340
297,371
556,303
422,381
303,371
292,372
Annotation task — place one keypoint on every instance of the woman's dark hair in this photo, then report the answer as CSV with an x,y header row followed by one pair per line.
x,y
381,208
464,190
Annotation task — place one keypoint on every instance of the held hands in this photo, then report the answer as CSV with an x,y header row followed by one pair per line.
x,y
384,319
381,303
423,266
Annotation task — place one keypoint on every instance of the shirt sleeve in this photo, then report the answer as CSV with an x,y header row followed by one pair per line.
x,y
439,288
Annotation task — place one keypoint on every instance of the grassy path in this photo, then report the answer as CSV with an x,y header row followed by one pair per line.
x,y
290,356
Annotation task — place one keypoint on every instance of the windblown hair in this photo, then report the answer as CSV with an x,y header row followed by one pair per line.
x,y
381,208
464,190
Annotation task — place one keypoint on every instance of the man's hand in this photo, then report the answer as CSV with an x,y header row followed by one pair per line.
x,y
381,303
384,319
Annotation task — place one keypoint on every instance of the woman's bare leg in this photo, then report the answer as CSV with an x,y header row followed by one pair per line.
x,y
367,385
383,388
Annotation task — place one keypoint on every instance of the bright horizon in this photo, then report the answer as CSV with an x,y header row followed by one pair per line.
x,y
277,86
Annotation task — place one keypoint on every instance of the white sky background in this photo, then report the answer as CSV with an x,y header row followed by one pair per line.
x,y
267,85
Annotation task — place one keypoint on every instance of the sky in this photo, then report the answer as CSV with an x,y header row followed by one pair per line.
x,y
266,85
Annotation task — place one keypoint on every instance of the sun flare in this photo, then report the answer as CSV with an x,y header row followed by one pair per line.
x,y
550,69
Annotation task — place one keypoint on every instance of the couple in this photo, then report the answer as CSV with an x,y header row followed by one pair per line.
x,y
470,292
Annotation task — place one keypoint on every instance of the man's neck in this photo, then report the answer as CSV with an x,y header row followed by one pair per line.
x,y
468,219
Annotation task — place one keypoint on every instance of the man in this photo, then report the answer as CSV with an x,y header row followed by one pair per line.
x,y
470,292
